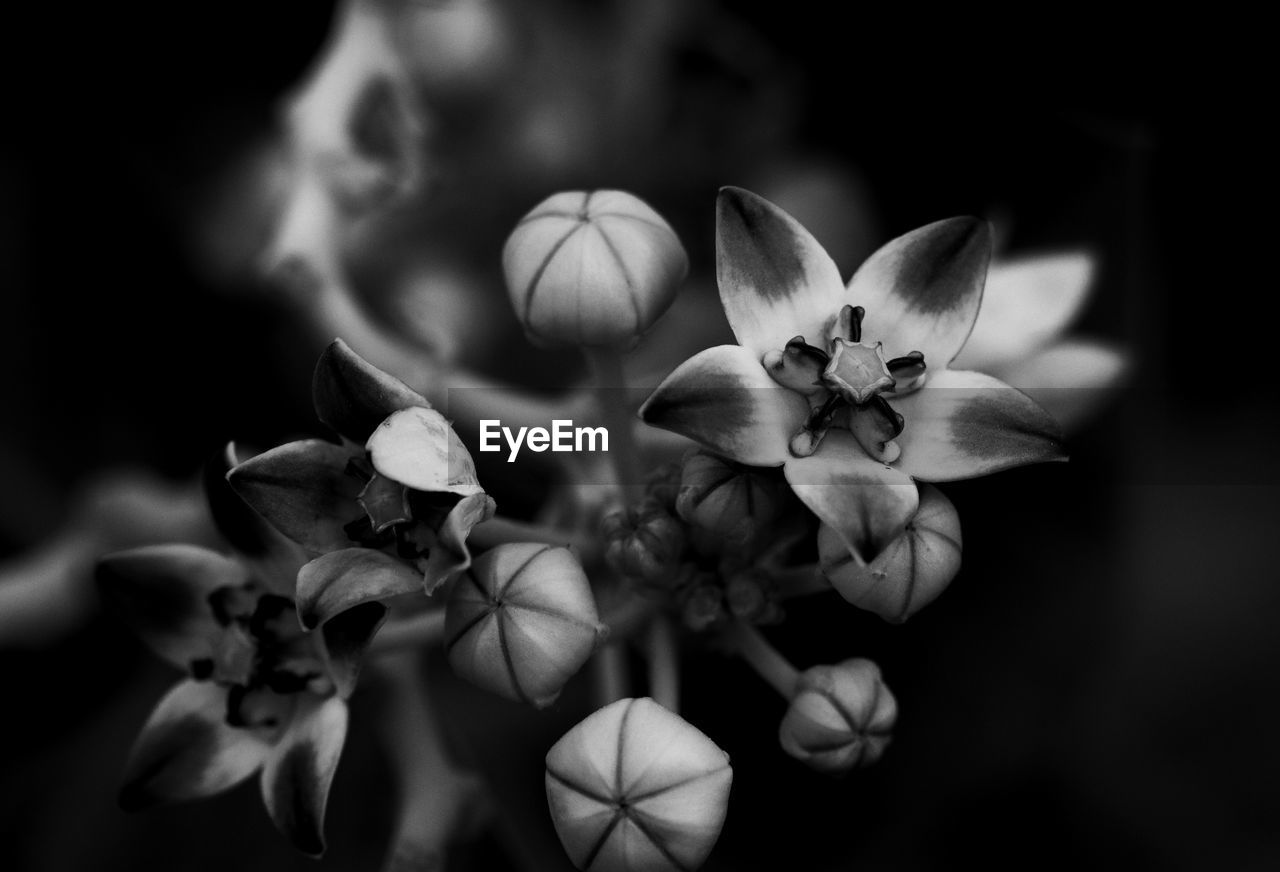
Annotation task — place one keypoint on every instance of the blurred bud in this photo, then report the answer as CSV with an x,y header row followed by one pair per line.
x,y
909,573
634,787
726,499
592,268
643,541
703,607
522,621
663,485
840,717
747,596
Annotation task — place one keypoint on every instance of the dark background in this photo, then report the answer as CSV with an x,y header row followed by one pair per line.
x,y
1098,688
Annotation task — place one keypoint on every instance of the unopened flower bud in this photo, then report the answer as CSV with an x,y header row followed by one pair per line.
x,y
644,541
909,573
522,621
726,499
745,595
840,717
703,607
636,788
663,485
592,268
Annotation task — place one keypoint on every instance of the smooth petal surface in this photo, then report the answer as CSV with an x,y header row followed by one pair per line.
x,y
303,489
162,593
1027,303
186,750
346,635
776,281
723,399
418,448
341,580
865,502
1071,380
965,424
451,554
922,291
353,396
299,770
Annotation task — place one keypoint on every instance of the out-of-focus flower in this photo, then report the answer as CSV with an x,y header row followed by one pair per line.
x,y
822,412
261,695
521,621
840,717
387,509
644,541
909,572
592,268
635,788
727,500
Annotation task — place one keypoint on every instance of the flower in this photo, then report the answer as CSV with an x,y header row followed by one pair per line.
x,y
261,695
636,788
592,268
847,389
384,511
521,621
840,717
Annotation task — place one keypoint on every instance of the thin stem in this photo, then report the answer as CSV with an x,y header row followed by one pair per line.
x,y
763,658
610,382
664,663
609,669
426,628
795,581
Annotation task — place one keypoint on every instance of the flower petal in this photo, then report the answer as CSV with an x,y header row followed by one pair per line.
x,y
451,554
186,750
1070,379
921,291
776,281
346,636
723,399
965,424
1026,303
418,448
299,770
866,503
304,491
162,592
353,396
341,580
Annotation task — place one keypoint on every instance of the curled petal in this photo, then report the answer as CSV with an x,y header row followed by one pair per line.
x,y
418,448
1069,379
341,580
162,592
966,424
346,636
1026,304
304,490
353,396
921,291
186,750
723,399
451,555
775,280
299,770
865,502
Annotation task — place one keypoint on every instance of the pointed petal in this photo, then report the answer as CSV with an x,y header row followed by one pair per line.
x,y
186,750
922,290
1071,380
863,501
724,399
341,580
304,491
966,424
353,396
1026,303
162,593
451,554
346,636
775,280
418,448
299,770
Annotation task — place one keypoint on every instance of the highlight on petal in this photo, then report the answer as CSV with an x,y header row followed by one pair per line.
x,y
965,424
724,399
1071,379
921,291
352,396
451,555
418,448
162,593
1027,303
299,770
346,635
865,502
775,280
186,750
304,491
341,580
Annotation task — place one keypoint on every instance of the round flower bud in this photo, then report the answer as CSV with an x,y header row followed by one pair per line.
x,y
644,541
840,717
521,621
727,500
703,607
635,788
909,573
592,268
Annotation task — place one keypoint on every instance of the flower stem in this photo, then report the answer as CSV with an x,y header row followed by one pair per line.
x,y
610,382
609,670
664,663
749,644
426,628
797,581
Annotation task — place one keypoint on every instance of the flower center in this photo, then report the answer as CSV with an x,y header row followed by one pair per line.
x,y
857,371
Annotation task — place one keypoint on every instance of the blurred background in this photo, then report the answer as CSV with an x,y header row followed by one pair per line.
x,y
1099,686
